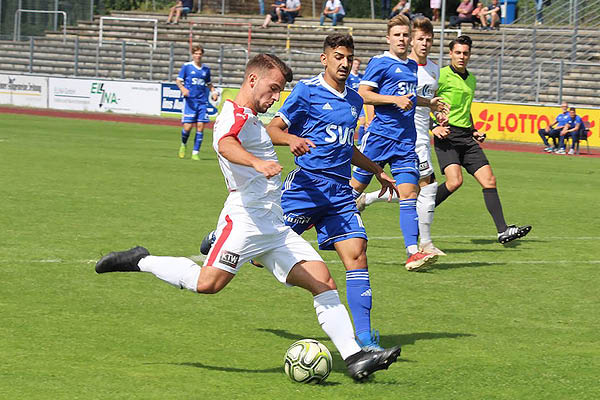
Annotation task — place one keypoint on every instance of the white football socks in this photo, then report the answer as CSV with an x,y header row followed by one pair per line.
x,y
425,208
372,197
335,321
180,272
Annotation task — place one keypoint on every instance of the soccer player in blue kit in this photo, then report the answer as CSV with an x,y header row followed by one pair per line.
x,y
194,83
390,84
353,82
320,115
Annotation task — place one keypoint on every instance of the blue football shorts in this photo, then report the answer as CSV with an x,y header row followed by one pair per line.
x,y
309,199
401,157
194,111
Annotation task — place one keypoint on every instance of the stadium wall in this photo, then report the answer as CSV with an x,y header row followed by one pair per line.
x,y
501,122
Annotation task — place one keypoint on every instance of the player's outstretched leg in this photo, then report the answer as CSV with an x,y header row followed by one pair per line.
x,y
513,232
198,138
335,320
366,199
122,261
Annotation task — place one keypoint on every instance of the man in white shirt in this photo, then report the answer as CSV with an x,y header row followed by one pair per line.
x,y
334,10
251,223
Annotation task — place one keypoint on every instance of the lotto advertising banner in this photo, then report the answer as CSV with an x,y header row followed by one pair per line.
x,y
516,123
104,96
23,90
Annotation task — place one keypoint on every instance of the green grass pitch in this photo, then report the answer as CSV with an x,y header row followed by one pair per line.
x,y
488,322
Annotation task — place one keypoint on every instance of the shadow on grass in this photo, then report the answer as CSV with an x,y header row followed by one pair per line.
x,y
471,250
229,369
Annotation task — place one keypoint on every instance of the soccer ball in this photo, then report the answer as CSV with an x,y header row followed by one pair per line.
x,y
307,361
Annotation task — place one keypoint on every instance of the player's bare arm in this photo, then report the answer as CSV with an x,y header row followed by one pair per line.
x,y
213,91
373,98
387,184
183,89
233,151
279,137
437,104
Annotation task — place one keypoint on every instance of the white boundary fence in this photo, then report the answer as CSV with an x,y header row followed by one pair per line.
x,y
17,26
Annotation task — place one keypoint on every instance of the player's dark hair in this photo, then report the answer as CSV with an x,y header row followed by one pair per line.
x,y
196,48
336,40
463,39
572,109
264,62
398,20
422,24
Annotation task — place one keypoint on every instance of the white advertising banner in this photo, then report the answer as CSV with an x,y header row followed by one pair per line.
x,y
24,90
104,96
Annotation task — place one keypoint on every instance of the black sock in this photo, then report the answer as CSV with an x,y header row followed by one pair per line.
x,y
442,193
492,202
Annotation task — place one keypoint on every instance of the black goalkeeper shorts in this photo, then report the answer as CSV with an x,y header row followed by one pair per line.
x,y
460,148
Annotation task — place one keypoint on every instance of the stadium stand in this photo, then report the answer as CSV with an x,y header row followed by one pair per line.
x,y
515,51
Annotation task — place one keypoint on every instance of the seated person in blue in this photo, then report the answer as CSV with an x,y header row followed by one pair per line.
x,y
291,10
181,7
553,130
571,129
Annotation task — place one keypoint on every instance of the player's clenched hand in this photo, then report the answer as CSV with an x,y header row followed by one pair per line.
x,y
185,92
268,168
299,146
387,185
442,118
441,132
404,102
479,136
439,105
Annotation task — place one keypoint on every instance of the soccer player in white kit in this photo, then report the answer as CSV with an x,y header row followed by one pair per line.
x,y
251,223
427,77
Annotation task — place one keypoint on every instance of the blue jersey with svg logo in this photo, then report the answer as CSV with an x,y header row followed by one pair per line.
x,y
196,80
392,76
317,111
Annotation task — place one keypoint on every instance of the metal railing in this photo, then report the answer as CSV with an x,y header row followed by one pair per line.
x,y
248,24
154,20
17,26
561,75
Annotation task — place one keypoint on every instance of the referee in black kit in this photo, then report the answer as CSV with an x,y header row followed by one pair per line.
x,y
458,145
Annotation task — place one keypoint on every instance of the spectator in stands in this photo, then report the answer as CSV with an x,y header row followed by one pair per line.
x,y
539,15
571,129
465,14
334,10
291,10
553,130
276,13
435,9
385,8
490,16
181,7
261,7
402,7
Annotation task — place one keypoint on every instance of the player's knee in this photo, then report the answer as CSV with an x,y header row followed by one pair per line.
x,y
454,184
209,287
490,182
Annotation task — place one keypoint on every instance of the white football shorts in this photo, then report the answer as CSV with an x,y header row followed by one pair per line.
x,y
260,235
424,153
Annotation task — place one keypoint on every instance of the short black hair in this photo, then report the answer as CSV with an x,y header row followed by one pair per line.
x,y
264,61
463,39
572,109
336,40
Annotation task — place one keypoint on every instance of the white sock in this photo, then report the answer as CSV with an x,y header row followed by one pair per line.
x,y
425,208
194,152
335,321
180,272
373,197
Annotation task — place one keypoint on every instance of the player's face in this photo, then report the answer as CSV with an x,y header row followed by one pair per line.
x,y
266,87
399,38
459,56
337,63
355,66
564,107
421,43
197,56
572,114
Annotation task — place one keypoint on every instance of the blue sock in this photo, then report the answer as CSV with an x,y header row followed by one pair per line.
x,y
358,293
409,221
198,140
355,194
184,136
